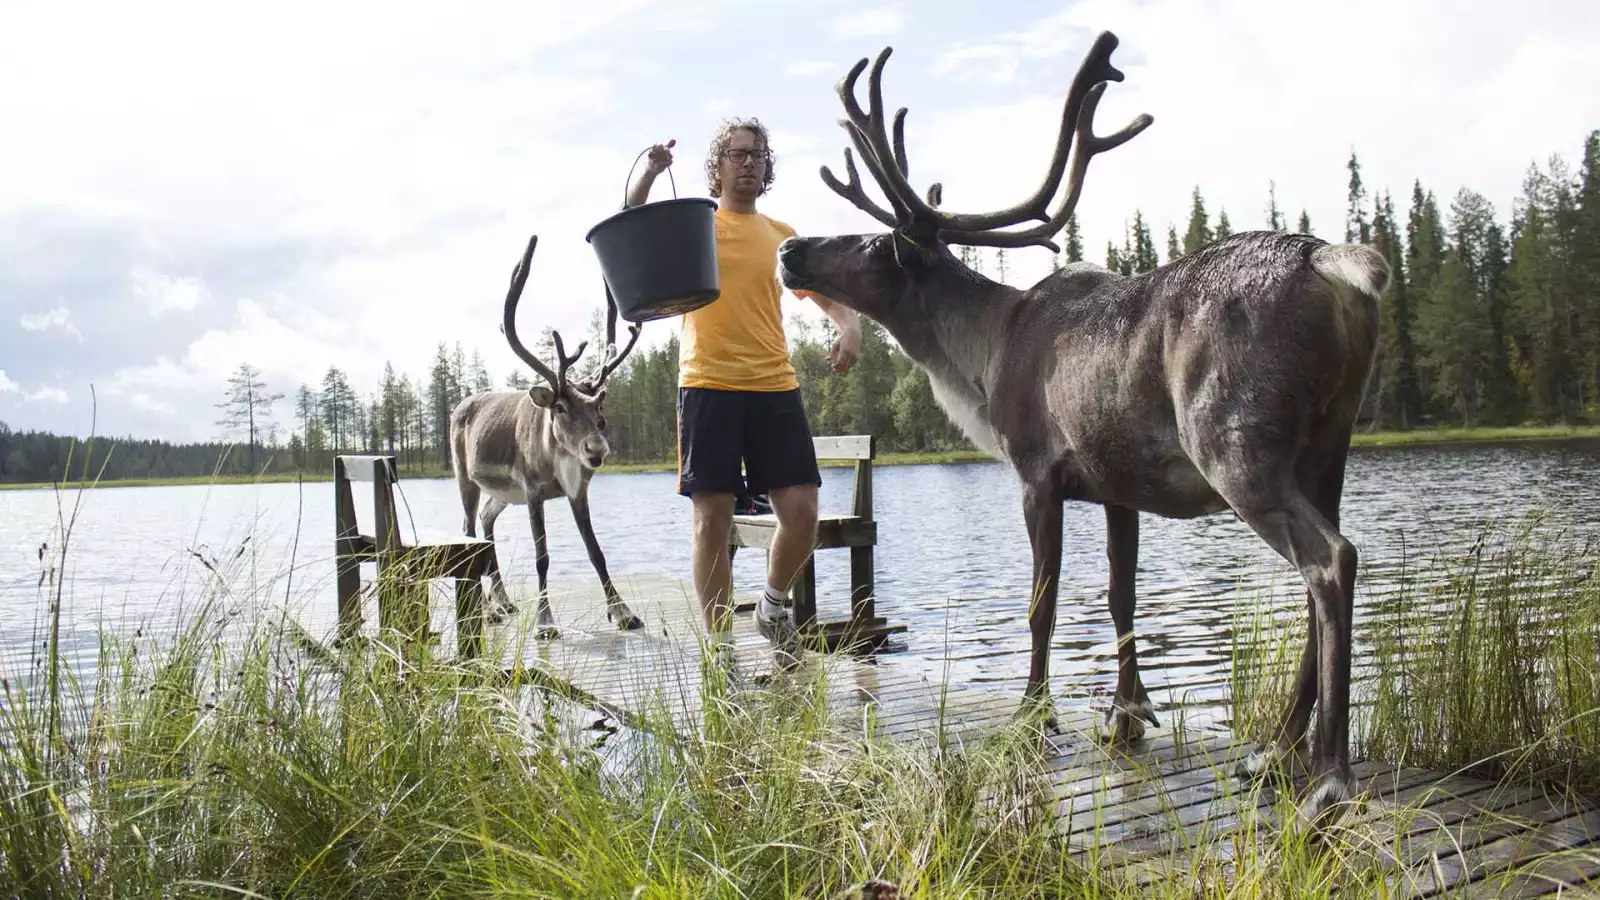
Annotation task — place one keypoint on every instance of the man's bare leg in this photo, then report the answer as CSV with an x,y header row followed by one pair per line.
x,y
796,535
793,541
713,570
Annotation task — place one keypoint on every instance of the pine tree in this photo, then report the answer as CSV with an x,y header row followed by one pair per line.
x,y
1173,250
970,257
1400,403
1356,229
1424,255
247,408
1585,244
1144,247
1113,258
1199,233
1304,226
1074,243
1543,355
1223,228
1274,217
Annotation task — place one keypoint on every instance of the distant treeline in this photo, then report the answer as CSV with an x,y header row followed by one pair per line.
x,y
1486,324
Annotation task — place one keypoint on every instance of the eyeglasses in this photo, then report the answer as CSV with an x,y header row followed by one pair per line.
x,y
739,156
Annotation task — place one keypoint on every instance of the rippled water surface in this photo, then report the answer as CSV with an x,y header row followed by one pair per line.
x,y
953,560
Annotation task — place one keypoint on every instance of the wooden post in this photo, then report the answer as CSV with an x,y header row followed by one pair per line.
x,y
863,605
347,564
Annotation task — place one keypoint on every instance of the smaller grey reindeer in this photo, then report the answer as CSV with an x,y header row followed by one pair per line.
x,y
526,447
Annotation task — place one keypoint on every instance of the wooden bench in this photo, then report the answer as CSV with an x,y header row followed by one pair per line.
x,y
856,531
467,560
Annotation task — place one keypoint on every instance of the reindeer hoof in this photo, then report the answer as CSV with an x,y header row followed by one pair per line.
x,y
1269,759
1040,713
546,633
626,621
1328,799
1125,722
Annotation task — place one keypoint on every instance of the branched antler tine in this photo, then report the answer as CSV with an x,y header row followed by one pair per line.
x,y
564,361
508,323
867,133
888,164
608,368
1094,72
854,192
900,143
1086,145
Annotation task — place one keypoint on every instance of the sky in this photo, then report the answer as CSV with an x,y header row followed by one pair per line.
x,y
189,186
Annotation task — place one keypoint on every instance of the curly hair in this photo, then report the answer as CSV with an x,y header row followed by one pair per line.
x,y
719,146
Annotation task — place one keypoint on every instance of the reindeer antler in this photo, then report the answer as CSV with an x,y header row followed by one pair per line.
x,y
508,327
611,340
888,164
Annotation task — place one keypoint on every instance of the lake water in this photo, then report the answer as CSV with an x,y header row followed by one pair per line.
x,y
952,562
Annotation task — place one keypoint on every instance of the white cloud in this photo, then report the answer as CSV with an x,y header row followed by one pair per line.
x,y
48,395
879,22
162,294
7,386
1449,94
368,201
59,319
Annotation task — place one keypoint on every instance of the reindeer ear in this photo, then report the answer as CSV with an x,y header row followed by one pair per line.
x,y
541,395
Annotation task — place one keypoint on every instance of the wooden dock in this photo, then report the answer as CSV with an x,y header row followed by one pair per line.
x,y
1155,811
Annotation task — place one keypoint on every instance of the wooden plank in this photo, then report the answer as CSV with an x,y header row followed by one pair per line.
x,y
845,446
832,532
365,468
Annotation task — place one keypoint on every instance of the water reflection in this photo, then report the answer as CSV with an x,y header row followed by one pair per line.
x,y
953,560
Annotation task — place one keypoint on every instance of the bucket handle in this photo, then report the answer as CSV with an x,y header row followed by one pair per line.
x,y
629,179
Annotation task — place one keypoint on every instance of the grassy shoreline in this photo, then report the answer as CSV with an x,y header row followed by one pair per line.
x,y
243,768
1416,438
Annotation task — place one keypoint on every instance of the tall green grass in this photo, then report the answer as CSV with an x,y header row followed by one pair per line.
x,y
225,761
1490,663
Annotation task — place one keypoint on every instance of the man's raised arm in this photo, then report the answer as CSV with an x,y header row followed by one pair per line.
x,y
660,159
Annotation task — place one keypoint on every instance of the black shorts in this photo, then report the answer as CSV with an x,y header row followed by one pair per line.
x,y
765,430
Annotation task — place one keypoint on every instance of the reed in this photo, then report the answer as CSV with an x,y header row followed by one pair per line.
x,y
225,759
1491,664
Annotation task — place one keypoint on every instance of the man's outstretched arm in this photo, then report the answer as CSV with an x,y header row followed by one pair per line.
x,y
847,348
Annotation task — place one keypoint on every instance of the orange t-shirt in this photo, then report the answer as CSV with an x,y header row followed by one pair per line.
x,y
736,342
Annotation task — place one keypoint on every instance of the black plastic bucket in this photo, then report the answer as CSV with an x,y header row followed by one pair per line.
x,y
659,259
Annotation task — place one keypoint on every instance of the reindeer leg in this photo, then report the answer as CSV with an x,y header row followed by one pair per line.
x,y
545,621
616,608
469,502
1291,735
1042,513
1130,708
502,601
1293,526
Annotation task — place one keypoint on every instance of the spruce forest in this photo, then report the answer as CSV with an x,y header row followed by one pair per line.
x,y
1488,323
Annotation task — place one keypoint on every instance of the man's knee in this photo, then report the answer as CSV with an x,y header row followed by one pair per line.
x,y
713,516
796,507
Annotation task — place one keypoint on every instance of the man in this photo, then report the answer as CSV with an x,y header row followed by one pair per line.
x,y
738,399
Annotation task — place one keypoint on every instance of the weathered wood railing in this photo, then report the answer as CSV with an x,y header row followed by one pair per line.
x,y
856,531
465,559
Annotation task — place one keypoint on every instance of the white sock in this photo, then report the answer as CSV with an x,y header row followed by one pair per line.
x,y
773,602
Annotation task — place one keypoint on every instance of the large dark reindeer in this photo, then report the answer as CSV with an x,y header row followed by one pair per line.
x,y
526,447
1227,379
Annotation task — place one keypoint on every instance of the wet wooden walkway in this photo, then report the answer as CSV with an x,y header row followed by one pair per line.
x,y
1163,809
